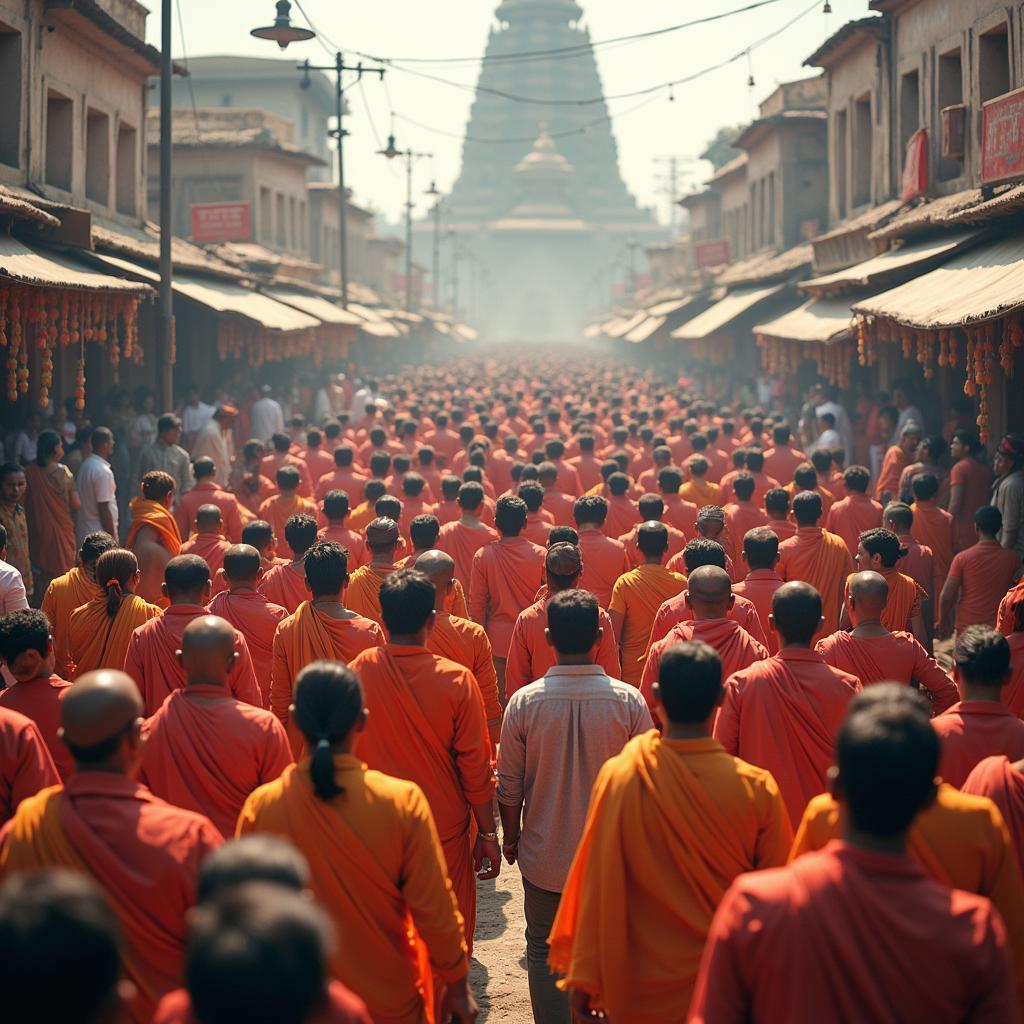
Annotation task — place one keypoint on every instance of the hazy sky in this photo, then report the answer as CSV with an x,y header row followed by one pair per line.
x,y
459,28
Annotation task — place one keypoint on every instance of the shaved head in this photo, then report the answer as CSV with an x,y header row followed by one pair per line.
x,y
208,650
870,594
709,592
439,568
97,712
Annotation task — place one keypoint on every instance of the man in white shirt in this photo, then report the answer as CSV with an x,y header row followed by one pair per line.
x,y
828,437
214,441
12,586
266,417
842,421
96,489
193,415
365,396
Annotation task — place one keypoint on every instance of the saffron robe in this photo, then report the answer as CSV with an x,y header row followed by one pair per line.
x,y
51,530
998,779
504,577
604,561
307,636
904,600
211,547
462,543
62,597
783,715
362,595
26,766
427,724
851,516
972,730
158,518
637,596
671,824
377,869
855,936
741,517
253,616
343,1007
820,558
207,492
530,655
39,700
285,586
781,462
279,509
895,461
700,492
152,660
676,610
97,641
206,752
891,658
676,543
759,588
352,542
933,527
782,528
623,515
1013,692
1004,616
680,513
143,854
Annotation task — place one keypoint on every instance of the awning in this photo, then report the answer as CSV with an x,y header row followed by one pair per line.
x,y
822,320
724,312
621,328
316,305
645,330
984,283
59,270
223,296
669,307
907,257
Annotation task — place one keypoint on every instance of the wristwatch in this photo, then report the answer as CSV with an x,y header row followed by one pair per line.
x,y
490,837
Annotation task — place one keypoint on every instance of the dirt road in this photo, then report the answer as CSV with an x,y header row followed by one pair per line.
x,y
498,973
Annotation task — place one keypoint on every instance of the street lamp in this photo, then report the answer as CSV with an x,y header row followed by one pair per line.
x,y
435,272
392,152
282,31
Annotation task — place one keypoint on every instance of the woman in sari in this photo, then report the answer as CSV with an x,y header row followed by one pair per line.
x,y
50,501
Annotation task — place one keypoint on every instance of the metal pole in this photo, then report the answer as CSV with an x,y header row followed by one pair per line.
x,y
339,65
409,156
436,271
165,318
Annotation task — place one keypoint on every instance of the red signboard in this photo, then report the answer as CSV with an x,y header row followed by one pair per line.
x,y
222,222
1002,138
915,167
712,254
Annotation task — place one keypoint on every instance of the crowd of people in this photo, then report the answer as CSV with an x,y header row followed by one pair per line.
x,y
742,683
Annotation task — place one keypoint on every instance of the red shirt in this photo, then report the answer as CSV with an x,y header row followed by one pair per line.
x,y
973,730
39,699
985,572
976,480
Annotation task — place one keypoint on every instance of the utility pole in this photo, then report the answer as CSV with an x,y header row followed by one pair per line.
x,y
410,157
435,270
165,316
672,181
339,67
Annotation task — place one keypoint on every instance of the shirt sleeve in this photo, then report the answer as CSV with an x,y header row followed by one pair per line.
x,y
720,996
931,678
478,589
727,725
12,595
956,568
517,665
472,744
511,758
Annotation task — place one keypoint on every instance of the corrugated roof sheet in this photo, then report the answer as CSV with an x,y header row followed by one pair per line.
x,y
645,330
767,266
871,219
58,270
621,329
930,214
985,282
822,320
315,305
894,261
724,312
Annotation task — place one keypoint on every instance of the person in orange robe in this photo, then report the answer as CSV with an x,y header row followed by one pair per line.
x,y
151,659
504,578
460,639
336,511
652,510
465,536
980,725
698,489
698,552
897,458
282,458
376,864
26,650
874,654
363,593
206,751
208,542
879,551
815,556
364,513
322,629
776,507
849,517
280,508
427,724
783,714
244,606
100,631
637,596
919,561
604,559
781,460
557,502
970,485
761,556
343,477
70,591
1002,781
248,486
26,766
711,524
50,501
285,584
673,820
818,908
933,526
742,514
709,594
423,533
623,513
207,492
153,536
143,854
1006,615
529,653
679,512
1013,693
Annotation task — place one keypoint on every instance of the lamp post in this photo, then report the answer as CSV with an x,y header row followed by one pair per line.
x,y
165,312
435,273
392,152
283,32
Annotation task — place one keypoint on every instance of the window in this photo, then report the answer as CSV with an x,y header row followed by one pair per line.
x,y
910,109
125,184
279,224
840,164
59,121
266,228
951,93
862,151
10,96
994,63
293,240
97,157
